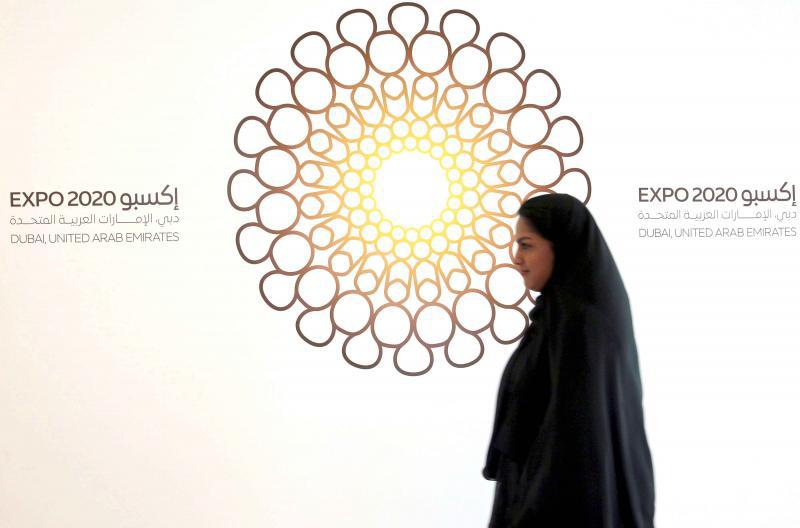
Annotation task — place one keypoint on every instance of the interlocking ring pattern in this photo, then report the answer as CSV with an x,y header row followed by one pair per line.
x,y
440,287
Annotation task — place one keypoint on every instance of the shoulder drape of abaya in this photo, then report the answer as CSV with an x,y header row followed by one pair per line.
x,y
568,447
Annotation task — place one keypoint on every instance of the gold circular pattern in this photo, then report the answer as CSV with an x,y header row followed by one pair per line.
x,y
439,288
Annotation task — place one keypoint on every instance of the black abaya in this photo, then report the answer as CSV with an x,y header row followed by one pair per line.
x,y
568,447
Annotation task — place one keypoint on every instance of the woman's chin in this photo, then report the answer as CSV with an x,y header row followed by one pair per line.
x,y
536,287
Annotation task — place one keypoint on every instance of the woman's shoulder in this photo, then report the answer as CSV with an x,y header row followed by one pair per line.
x,y
593,319
572,306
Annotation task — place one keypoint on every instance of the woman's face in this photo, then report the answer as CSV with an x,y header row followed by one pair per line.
x,y
534,257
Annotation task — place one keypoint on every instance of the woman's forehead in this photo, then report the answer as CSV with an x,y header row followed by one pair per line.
x,y
524,225
525,229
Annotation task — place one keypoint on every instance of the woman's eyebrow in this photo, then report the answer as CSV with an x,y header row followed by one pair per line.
x,y
520,239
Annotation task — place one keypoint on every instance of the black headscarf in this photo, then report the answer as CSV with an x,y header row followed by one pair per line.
x,y
569,446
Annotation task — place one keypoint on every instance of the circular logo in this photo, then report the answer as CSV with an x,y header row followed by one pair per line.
x,y
383,180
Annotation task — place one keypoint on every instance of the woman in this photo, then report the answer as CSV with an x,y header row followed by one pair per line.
x,y
568,447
